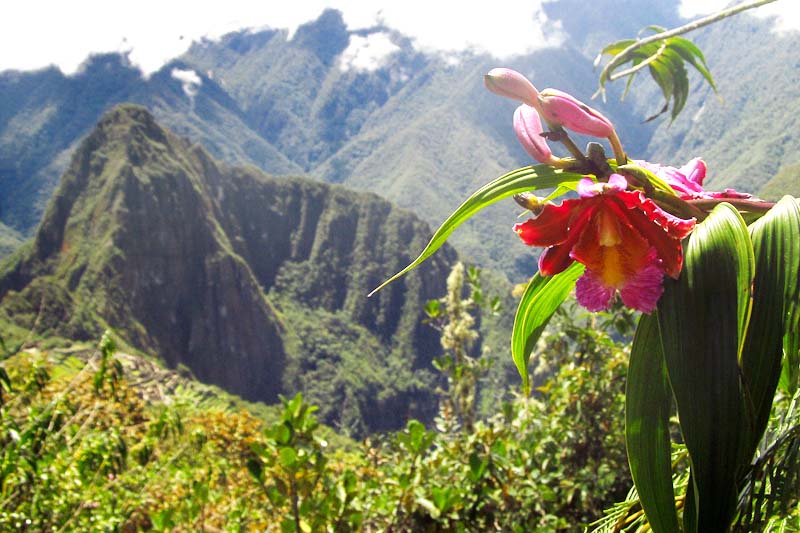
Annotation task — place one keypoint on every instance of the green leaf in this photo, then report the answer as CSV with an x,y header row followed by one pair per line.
x,y
543,295
517,181
647,408
702,317
691,53
680,87
790,370
288,457
776,289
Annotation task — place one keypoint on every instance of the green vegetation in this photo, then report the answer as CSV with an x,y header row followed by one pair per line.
x,y
82,450
786,181
10,240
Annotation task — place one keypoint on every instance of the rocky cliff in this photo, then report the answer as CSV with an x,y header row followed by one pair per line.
x,y
228,271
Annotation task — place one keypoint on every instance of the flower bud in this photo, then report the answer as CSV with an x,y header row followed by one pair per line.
x,y
511,84
564,109
528,127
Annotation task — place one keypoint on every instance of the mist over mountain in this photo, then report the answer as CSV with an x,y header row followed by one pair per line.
x,y
252,282
417,128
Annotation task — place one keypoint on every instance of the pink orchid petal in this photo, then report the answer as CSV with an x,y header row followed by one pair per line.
x,y
511,84
694,171
528,127
592,294
564,109
643,290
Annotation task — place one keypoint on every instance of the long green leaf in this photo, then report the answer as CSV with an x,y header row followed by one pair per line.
x,y
521,180
702,317
776,289
647,408
790,370
543,295
691,53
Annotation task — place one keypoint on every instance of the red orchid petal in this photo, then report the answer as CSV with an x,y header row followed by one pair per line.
x,y
617,260
678,228
662,230
555,259
550,227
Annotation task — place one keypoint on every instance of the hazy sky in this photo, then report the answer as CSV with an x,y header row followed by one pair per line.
x,y
37,33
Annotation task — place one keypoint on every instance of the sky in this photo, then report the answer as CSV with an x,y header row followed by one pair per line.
x,y
39,33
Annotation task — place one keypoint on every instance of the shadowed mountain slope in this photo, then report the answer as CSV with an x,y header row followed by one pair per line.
x,y
230,272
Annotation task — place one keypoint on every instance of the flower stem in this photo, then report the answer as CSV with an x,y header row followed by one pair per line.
x,y
676,206
616,147
559,134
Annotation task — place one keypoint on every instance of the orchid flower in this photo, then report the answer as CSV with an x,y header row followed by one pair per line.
x,y
626,242
687,181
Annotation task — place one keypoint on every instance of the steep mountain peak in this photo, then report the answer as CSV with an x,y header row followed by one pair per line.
x,y
327,36
201,263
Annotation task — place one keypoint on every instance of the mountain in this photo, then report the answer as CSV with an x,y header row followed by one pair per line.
x,y
417,128
254,283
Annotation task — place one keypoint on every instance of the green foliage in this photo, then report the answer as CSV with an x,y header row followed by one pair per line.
x,y
742,286
453,317
542,297
665,59
294,474
78,456
552,461
10,240
74,457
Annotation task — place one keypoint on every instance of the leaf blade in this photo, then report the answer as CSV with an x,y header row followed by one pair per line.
x,y
521,180
647,408
542,296
702,316
776,291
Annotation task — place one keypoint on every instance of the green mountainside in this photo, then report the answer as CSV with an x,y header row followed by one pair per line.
x,y
247,280
419,129
786,181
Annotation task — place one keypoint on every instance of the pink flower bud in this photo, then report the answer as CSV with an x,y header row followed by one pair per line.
x,y
528,127
564,109
511,84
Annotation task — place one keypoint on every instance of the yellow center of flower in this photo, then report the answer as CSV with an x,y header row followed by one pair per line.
x,y
608,229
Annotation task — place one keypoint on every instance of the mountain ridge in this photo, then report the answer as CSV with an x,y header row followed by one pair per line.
x,y
212,266
419,128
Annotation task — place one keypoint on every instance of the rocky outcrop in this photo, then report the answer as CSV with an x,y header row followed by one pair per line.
x,y
183,257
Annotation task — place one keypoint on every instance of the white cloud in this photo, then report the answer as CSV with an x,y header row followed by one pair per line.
x,y
189,79
37,33
367,53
